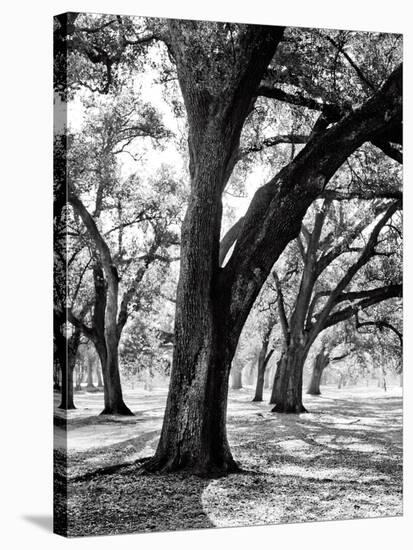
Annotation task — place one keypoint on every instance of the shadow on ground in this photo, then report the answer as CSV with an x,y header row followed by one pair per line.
x,y
342,460
130,503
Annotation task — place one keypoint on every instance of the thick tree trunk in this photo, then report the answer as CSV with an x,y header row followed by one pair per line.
x,y
288,381
194,430
194,434
320,363
236,379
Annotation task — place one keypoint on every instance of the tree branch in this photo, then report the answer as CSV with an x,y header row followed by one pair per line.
x,y
380,325
280,205
273,141
391,291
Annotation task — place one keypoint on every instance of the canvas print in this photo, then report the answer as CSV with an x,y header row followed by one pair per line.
x,y
227,274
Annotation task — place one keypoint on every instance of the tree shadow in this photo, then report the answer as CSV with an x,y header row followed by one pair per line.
x,y
128,502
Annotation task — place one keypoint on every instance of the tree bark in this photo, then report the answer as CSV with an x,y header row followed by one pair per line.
x,y
288,381
320,363
194,429
263,360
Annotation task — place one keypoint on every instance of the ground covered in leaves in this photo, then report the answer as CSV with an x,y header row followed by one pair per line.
x,y
342,460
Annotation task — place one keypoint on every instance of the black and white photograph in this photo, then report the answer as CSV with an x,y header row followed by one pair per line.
x,y
227,314
205,275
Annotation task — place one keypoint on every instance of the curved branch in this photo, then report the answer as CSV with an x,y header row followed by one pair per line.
x,y
380,325
379,295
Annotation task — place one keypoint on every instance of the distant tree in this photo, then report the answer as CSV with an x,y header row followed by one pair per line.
x,y
93,169
317,304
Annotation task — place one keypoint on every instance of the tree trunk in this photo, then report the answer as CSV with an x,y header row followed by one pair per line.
x,y
112,389
288,381
320,363
106,330
260,372
263,360
90,386
67,365
67,402
194,430
194,434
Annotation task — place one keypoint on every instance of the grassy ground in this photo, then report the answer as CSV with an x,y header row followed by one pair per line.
x,y
342,460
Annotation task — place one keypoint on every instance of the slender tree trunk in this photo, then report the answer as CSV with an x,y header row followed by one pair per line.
x,y
116,404
320,363
101,351
288,381
90,386
112,389
260,372
263,360
99,376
